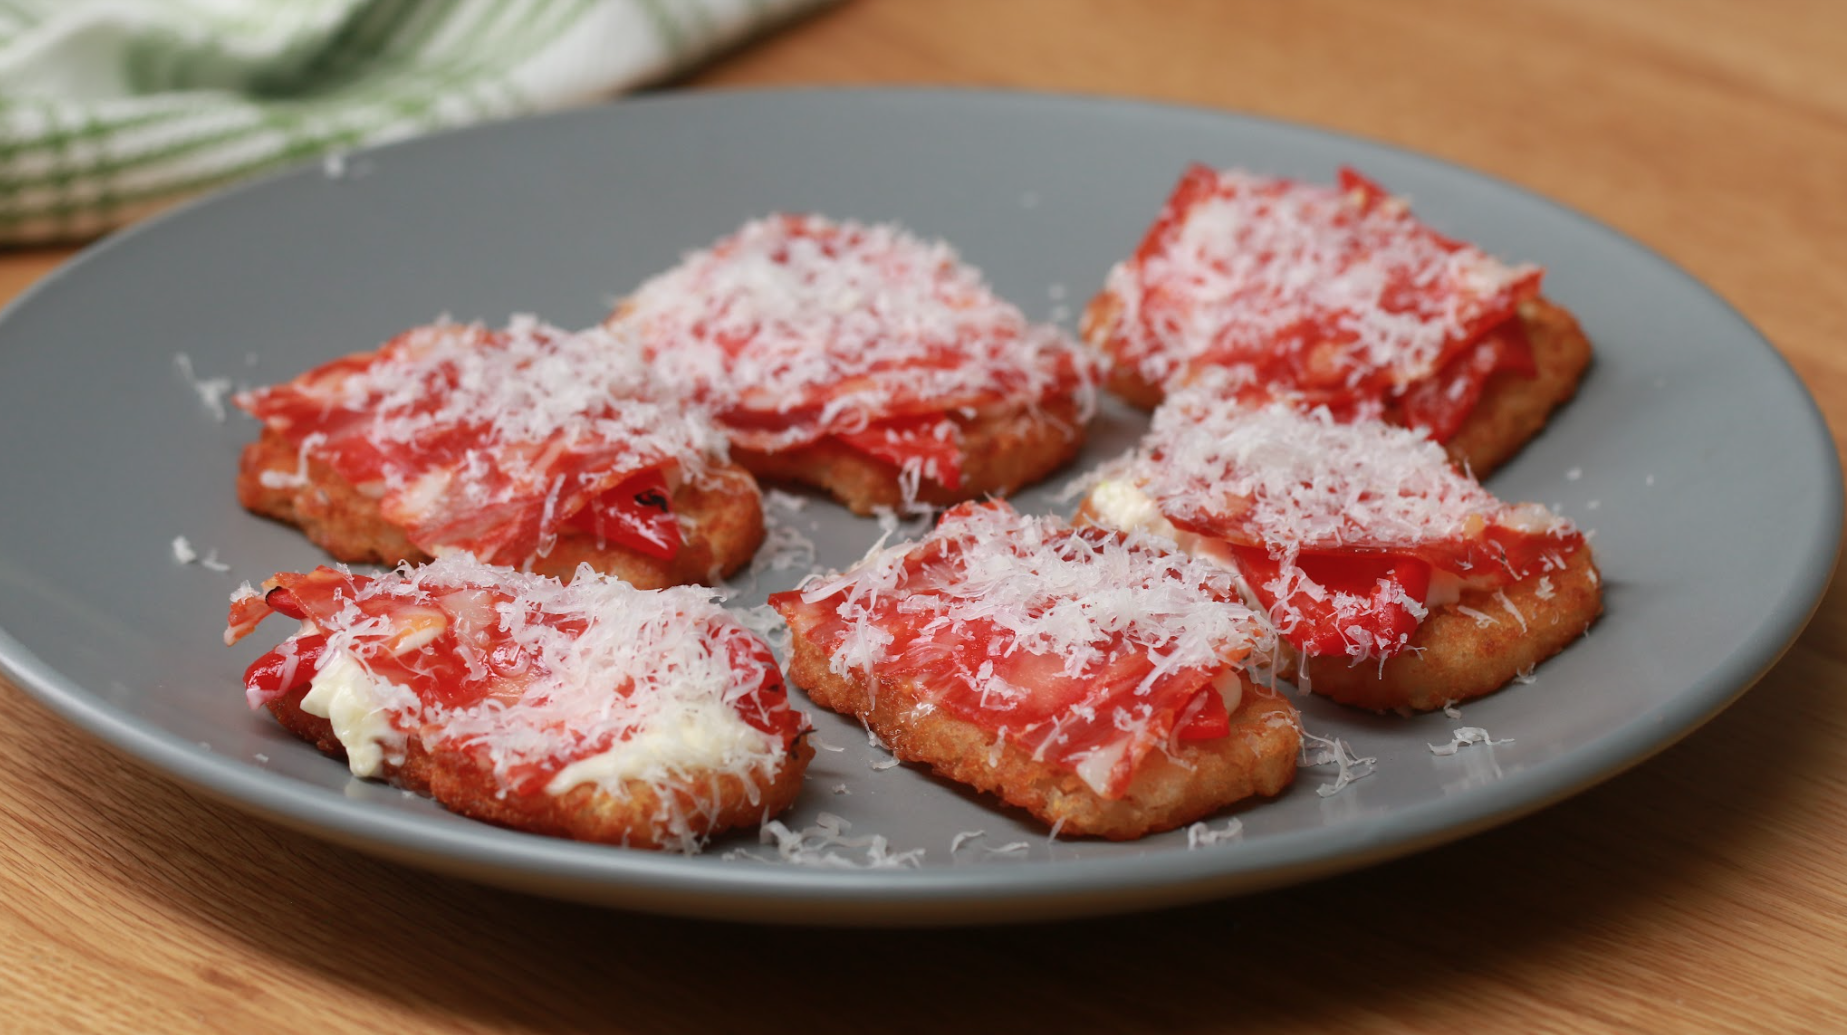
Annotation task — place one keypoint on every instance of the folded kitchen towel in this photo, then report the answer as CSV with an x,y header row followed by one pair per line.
x,y
112,108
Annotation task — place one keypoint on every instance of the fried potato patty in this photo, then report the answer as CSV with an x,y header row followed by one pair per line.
x,y
1512,408
722,524
1258,756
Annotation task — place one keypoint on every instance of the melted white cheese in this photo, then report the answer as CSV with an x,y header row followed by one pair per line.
x,y
359,707
706,736
1120,505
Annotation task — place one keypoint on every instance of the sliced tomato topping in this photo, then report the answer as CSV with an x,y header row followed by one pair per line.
x,y
764,705
1039,714
930,443
1366,192
1333,603
432,647
283,603
637,514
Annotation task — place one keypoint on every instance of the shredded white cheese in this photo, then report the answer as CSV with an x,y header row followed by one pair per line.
x,y
820,846
1318,751
1201,834
211,390
1463,736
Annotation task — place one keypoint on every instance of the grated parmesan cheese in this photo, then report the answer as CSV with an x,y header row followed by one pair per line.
x,y
1482,618
985,852
211,390
962,838
818,845
1319,751
1463,736
1278,476
1200,835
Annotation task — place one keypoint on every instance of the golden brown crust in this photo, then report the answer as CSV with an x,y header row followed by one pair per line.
x,y
725,522
1512,408
1454,656
1257,758
1000,454
637,815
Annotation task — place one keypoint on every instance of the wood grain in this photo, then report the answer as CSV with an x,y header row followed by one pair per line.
x,y
1702,890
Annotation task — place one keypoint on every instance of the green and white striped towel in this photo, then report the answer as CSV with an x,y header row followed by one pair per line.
x,y
112,108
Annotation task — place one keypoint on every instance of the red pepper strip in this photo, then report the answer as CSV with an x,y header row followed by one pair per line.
x,y
904,439
1364,592
284,603
436,672
637,514
762,706
290,665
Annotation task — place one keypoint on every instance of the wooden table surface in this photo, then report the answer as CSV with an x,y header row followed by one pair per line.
x,y
1703,890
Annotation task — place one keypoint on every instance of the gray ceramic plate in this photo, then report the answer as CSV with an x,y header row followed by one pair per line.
x,y
1692,450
